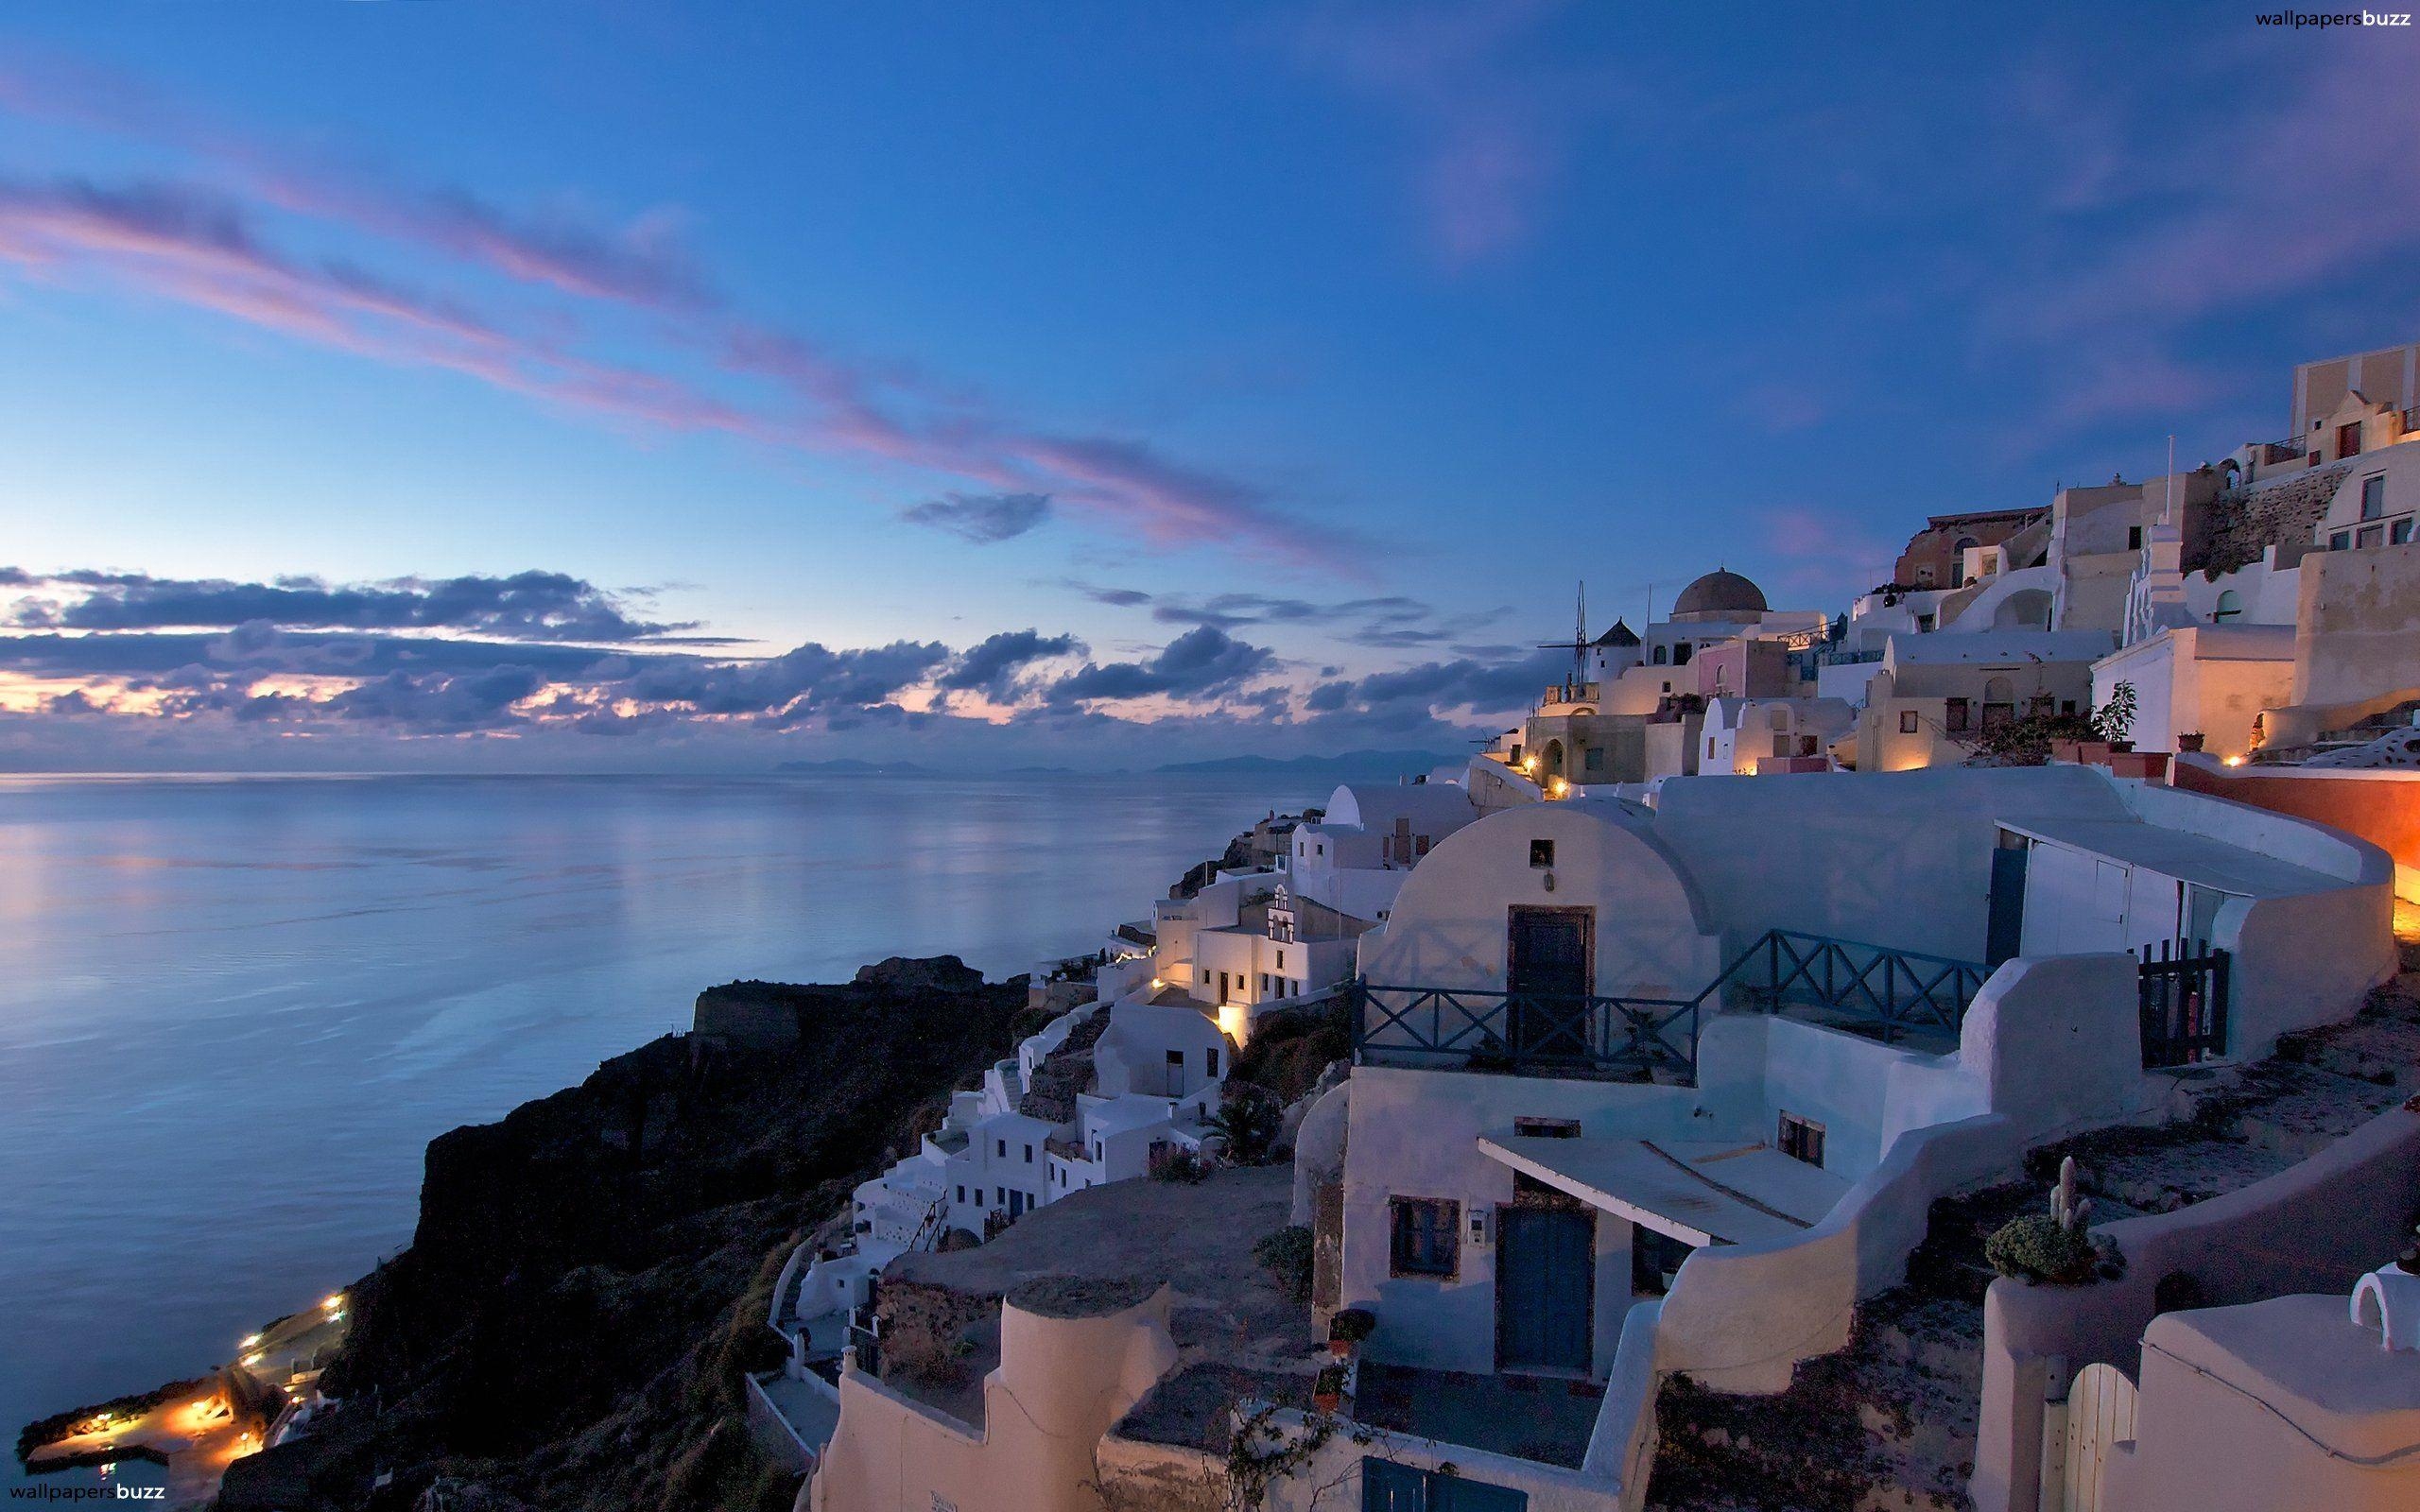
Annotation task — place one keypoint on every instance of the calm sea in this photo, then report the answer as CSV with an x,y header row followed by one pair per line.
x,y
233,1010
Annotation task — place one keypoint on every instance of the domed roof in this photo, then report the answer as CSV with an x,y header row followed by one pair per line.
x,y
1718,595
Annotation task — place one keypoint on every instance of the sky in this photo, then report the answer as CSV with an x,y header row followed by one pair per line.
x,y
648,386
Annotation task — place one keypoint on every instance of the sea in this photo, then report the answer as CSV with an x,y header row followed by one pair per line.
x,y
234,1009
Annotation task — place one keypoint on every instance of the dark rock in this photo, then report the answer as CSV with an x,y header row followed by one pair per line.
x,y
932,974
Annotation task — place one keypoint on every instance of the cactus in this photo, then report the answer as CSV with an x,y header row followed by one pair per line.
x,y
2070,1212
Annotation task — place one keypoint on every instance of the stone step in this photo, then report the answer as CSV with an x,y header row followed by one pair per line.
x,y
2298,1110
2165,1177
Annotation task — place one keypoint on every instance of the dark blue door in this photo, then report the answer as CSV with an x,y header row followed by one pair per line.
x,y
1387,1486
1546,1281
2005,934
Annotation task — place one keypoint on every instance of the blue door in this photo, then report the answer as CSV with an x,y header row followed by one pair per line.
x,y
2004,935
1546,1284
1387,1486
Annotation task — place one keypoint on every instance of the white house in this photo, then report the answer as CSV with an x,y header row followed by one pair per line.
x,y
1611,1054
1372,835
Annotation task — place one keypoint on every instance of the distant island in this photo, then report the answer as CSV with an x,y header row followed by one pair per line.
x,y
1352,760
1348,763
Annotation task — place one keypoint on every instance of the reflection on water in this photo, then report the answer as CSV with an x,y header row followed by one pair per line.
x,y
233,1011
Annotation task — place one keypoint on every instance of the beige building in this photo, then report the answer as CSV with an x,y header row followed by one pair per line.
x,y
1936,694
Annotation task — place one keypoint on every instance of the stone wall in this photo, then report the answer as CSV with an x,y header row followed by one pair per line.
x,y
2240,525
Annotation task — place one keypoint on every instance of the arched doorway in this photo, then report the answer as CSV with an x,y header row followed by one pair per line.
x,y
1554,758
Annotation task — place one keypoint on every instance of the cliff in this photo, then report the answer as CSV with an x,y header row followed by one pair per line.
x,y
590,1275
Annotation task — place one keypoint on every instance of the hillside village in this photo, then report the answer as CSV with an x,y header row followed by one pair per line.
x,y
1948,1052
1957,1049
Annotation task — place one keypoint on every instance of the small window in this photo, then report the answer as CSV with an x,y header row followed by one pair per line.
x,y
2230,605
1003,1151
1175,1060
1426,1236
1028,1155
1547,1129
2371,536
2133,538
1660,654
1907,721
1420,842
2400,532
1210,1061
2342,541
1594,759
1654,1261
1542,854
1281,960
1959,712
2374,496
962,1194
1205,976
1680,654
1802,1139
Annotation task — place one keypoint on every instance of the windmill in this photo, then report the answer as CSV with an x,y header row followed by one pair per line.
x,y
1578,645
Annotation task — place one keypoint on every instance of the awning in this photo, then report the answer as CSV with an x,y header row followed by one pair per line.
x,y
1698,1191
2188,857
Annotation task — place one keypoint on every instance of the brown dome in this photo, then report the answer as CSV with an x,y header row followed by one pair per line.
x,y
1720,595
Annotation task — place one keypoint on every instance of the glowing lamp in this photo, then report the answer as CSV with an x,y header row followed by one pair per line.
x,y
2235,761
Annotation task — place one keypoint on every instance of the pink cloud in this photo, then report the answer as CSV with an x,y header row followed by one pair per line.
x,y
204,249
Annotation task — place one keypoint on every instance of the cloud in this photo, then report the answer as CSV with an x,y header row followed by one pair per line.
x,y
205,246
985,519
1489,106
535,605
1388,621
810,677
989,666
1200,662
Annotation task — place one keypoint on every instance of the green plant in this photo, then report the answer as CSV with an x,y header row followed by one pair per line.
x,y
1287,1255
1329,1383
1247,1124
1179,1163
2114,721
2027,742
2053,1249
1352,1325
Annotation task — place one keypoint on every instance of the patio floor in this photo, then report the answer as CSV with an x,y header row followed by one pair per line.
x,y
1532,1417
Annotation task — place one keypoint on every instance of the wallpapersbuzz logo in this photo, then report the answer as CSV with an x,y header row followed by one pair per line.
x,y
2300,20
88,1493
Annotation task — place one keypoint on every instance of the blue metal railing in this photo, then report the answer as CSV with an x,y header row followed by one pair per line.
x,y
1859,985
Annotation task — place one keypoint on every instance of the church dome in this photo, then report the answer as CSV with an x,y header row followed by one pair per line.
x,y
1720,595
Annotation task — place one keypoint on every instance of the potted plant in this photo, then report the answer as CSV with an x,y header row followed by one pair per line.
x,y
2114,721
2189,740
1348,1329
1327,1391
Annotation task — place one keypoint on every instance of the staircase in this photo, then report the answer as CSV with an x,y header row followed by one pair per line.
x,y
1888,1424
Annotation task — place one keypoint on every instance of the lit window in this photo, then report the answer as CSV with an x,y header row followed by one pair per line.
x,y
1907,721
1542,853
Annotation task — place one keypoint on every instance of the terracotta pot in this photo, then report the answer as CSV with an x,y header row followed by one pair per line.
x,y
2188,742
1326,1402
1342,1348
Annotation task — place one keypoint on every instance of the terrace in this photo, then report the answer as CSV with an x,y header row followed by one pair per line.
x,y
1894,996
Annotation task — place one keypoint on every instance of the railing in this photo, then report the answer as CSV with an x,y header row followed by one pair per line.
x,y
2273,452
2182,995
1482,1029
1520,1031
1892,991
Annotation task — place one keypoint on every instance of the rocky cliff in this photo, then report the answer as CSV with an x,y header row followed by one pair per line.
x,y
590,1275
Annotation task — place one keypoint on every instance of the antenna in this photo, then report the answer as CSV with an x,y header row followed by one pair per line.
x,y
1578,645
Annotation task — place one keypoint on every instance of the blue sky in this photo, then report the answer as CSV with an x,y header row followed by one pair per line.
x,y
1261,351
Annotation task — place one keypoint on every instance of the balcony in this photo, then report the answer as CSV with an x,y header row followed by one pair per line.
x,y
1867,989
